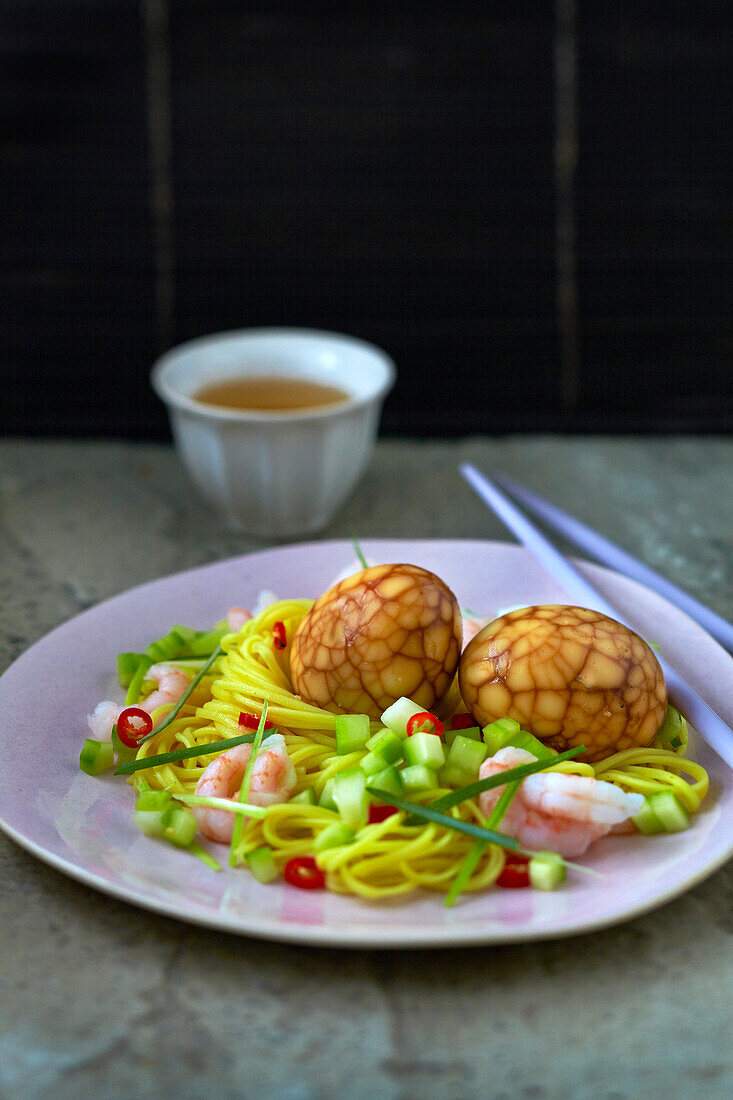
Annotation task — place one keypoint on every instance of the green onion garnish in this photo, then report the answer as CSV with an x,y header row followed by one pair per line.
x,y
218,652
184,754
357,551
447,801
470,862
240,808
244,789
455,823
205,857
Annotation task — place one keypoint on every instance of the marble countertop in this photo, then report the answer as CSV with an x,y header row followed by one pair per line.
x,y
98,998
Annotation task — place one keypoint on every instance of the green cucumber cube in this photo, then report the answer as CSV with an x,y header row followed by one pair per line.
x,y
670,811
396,717
499,734
425,748
386,744
418,777
334,836
326,801
646,821
307,797
387,780
153,800
179,826
262,865
453,776
547,870
352,732
96,756
150,822
474,732
467,755
350,796
371,764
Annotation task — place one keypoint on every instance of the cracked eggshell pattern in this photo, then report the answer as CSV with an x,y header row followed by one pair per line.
x,y
569,675
388,631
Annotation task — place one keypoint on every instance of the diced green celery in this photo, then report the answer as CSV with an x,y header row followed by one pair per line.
x,y
352,732
396,717
333,836
153,800
425,748
474,732
326,801
547,870
96,756
179,826
418,777
388,780
206,641
670,811
499,734
351,798
386,744
371,764
150,822
673,730
127,666
123,753
530,743
262,865
308,797
467,755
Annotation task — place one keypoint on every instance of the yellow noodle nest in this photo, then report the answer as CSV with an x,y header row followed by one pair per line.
x,y
388,858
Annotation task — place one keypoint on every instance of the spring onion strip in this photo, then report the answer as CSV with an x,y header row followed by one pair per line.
x,y
243,809
205,857
184,754
246,780
471,861
447,801
455,823
218,652
357,551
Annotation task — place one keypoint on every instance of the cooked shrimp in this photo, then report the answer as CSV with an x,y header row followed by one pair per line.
x,y
171,681
556,812
103,718
273,780
237,617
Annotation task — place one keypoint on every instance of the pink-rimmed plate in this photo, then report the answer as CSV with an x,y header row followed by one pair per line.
x,y
83,826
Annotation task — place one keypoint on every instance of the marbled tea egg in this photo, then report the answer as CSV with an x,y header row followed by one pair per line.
x,y
388,631
568,675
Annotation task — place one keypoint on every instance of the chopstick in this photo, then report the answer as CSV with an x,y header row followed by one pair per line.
x,y
603,550
708,724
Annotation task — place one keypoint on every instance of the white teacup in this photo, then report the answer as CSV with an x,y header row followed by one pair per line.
x,y
275,473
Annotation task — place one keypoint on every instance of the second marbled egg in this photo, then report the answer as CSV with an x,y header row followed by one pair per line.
x,y
388,631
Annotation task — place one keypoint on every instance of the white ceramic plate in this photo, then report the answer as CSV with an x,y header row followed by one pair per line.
x,y
84,827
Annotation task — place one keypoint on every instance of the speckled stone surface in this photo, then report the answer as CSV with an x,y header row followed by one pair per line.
x,y
101,999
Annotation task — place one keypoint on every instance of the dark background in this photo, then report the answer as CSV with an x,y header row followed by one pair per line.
x,y
526,204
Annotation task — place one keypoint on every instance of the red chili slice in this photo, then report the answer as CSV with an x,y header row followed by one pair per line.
x,y
424,722
462,721
279,636
304,873
133,724
515,873
381,813
252,721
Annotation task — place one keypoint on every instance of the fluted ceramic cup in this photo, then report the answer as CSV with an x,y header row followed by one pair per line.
x,y
277,473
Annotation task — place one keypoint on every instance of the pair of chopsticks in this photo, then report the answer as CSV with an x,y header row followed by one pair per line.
x,y
708,724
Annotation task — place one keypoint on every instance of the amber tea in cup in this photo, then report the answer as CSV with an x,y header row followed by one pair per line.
x,y
270,393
